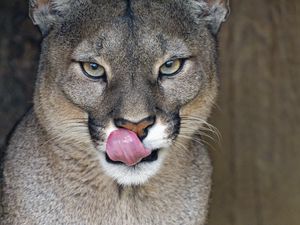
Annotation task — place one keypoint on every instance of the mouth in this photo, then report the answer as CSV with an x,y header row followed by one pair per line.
x,y
150,158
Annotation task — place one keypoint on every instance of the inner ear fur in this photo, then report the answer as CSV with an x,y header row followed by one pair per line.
x,y
214,12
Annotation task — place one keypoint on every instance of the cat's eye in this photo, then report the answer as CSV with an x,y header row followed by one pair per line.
x,y
93,70
171,67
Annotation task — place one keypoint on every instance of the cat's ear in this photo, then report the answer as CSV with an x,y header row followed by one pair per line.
x,y
214,12
45,13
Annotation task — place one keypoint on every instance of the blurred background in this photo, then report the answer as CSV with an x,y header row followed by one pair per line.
x,y
257,163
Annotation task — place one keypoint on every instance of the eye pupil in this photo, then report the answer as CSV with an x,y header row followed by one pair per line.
x,y
169,64
94,66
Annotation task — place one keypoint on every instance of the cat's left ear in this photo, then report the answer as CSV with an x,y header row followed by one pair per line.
x,y
214,12
46,13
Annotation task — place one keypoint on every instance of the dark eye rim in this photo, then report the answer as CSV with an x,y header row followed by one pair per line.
x,y
103,77
182,63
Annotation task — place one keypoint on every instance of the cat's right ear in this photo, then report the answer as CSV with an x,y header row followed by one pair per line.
x,y
46,13
214,12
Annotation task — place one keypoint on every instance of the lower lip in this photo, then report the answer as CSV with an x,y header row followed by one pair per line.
x,y
151,158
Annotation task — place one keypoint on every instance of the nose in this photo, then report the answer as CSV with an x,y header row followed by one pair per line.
x,y
140,128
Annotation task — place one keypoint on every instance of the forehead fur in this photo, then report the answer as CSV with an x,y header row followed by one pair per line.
x,y
131,21
134,13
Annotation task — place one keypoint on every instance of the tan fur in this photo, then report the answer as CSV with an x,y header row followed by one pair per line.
x,y
52,171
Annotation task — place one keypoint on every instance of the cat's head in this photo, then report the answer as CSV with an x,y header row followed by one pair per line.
x,y
129,78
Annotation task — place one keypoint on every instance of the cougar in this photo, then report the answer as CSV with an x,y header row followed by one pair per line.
x,y
123,90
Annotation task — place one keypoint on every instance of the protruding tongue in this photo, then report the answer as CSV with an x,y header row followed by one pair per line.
x,y
123,145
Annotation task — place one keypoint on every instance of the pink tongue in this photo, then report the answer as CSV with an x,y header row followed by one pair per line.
x,y
123,145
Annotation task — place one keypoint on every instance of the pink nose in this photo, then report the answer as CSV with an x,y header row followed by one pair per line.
x,y
140,128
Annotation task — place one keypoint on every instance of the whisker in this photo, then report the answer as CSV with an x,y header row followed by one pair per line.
x,y
193,119
180,145
197,140
200,133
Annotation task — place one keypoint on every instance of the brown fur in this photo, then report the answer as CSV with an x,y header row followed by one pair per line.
x,y
52,171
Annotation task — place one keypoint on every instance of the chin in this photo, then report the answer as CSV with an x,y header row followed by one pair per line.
x,y
138,174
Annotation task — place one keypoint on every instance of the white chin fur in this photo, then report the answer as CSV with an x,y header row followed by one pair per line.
x,y
134,175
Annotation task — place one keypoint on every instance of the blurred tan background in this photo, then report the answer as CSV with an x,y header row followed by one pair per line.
x,y
257,165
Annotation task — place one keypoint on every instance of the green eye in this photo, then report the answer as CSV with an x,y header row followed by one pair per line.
x,y
93,70
171,67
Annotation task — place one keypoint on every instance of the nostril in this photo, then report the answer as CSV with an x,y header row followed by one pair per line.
x,y
120,122
145,124
149,121
140,128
